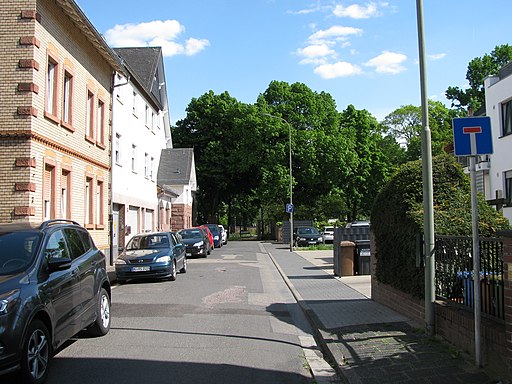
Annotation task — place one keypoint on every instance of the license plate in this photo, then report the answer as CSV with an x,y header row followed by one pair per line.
x,y
140,269
188,254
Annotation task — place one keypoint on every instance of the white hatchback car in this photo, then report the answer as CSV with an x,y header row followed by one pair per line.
x,y
224,232
328,234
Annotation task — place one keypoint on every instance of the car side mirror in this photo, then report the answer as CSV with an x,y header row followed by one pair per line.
x,y
59,264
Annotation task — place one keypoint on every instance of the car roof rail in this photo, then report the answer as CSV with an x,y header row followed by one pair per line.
x,y
47,223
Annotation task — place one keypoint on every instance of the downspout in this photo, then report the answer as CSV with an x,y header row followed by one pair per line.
x,y
110,192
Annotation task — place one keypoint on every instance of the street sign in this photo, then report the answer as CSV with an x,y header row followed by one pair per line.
x,y
472,136
289,208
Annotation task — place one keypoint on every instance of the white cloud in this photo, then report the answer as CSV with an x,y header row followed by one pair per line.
x,y
437,56
315,50
388,63
356,11
162,33
336,32
314,61
339,69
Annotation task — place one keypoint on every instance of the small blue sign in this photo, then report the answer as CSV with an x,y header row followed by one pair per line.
x,y
289,208
472,136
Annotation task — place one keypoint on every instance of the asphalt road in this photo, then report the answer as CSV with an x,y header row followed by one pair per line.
x,y
229,319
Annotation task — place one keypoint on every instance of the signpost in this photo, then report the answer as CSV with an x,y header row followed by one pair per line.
x,y
472,137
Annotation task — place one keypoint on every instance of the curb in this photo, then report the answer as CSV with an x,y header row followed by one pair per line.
x,y
314,322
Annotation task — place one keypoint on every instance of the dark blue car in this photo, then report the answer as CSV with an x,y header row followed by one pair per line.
x,y
217,235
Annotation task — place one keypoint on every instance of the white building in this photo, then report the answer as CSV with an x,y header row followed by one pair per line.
x,y
498,101
140,130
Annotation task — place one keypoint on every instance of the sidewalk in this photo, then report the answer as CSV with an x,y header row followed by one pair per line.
x,y
366,341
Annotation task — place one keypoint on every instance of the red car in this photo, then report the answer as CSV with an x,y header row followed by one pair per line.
x,y
210,236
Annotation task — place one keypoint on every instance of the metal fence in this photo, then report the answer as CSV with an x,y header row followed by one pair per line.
x,y
454,272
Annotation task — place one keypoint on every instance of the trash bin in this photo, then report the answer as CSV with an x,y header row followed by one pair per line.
x,y
362,260
344,258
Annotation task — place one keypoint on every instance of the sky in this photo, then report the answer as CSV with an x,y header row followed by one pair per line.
x,y
363,53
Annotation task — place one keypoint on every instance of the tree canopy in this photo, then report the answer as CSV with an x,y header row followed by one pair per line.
x,y
478,69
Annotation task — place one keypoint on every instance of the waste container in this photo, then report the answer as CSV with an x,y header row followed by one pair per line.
x,y
344,258
362,257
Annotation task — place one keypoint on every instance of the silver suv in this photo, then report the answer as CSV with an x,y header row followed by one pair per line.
x,y
53,284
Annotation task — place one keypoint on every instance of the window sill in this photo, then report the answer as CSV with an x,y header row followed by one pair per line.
x,y
100,226
51,117
90,139
101,145
68,126
89,226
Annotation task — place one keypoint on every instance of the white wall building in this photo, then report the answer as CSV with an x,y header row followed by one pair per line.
x,y
498,101
141,129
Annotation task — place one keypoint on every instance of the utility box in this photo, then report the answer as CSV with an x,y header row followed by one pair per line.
x,y
344,258
362,257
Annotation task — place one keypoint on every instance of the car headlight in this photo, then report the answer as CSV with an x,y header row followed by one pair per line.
x,y
199,244
302,238
163,259
319,239
120,262
8,301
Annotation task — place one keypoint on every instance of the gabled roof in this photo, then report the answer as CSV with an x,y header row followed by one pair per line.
x,y
75,13
175,166
143,63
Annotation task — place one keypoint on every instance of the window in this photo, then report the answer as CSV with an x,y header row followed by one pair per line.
x,y
506,118
89,202
51,87
147,115
134,104
100,124
49,197
56,246
67,99
153,121
99,203
117,149
90,115
134,158
508,188
118,89
65,195
151,166
146,165
75,243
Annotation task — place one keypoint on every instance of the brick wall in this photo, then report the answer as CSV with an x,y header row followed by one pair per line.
x,y
181,216
30,32
454,322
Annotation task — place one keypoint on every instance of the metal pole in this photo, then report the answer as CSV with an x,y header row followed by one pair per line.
x,y
428,199
291,184
476,259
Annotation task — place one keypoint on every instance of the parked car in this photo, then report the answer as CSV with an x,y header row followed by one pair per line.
x,y
328,234
358,223
224,233
196,241
152,255
53,284
217,237
305,236
210,236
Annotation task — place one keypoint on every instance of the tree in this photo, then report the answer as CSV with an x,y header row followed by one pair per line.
x,y
405,125
478,69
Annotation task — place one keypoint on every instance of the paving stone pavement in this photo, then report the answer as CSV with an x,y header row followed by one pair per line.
x,y
365,341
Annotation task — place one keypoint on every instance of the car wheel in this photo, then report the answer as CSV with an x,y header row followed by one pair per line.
x,y
36,353
101,325
184,268
173,275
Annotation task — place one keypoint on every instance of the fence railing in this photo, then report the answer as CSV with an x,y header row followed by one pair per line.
x,y
454,272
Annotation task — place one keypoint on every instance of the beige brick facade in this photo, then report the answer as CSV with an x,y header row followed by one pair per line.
x,y
46,159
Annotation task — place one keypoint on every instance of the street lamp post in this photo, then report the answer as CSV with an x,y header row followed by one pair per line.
x,y
291,177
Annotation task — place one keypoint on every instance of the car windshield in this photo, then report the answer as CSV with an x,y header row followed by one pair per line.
x,y
307,231
17,250
191,233
213,228
148,242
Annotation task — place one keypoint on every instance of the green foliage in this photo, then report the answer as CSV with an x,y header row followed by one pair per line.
x,y
478,69
397,219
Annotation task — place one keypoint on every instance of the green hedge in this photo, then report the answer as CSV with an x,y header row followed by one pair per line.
x,y
397,219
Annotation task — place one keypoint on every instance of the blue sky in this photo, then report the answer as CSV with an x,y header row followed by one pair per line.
x,y
363,53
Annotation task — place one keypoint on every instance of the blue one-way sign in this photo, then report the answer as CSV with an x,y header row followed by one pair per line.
x,y
472,136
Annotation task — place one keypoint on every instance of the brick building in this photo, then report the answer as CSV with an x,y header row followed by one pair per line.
x,y
57,73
